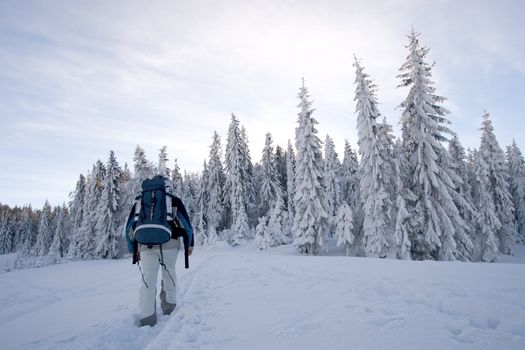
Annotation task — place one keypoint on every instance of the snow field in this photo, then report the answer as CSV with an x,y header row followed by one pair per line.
x,y
240,298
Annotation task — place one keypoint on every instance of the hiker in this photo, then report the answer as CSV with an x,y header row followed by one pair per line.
x,y
156,222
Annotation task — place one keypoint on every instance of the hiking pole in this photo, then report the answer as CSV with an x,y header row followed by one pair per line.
x,y
186,258
186,251
135,252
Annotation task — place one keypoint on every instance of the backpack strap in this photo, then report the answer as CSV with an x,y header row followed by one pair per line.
x,y
170,215
138,208
161,263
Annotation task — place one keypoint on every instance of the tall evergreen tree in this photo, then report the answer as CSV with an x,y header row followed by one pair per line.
x,y
215,190
270,187
387,141
462,180
487,221
176,178
201,208
401,233
87,232
311,215
273,208
58,247
290,182
376,177
6,236
189,193
45,233
350,177
142,169
332,169
107,226
249,174
77,207
499,184
435,226
516,165
236,185
162,168
27,232
280,167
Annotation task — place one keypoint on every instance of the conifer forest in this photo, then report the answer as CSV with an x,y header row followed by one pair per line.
x,y
420,195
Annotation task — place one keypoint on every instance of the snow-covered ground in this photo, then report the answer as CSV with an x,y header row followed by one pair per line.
x,y
240,298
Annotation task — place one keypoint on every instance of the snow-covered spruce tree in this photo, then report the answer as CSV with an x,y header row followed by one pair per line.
x,y
387,141
16,217
142,169
107,225
87,234
162,167
463,194
272,205
236,189
60,242
401,233
278,220
124,178
499,184
55,212
189,193
270,188
290,182
215,189
263,239
201,208
6,236
388,145
250,187
344,227
279,160
516,165
487,221
272,228
470,161
350,178
45,233
331,181
27,232
77,206
435,227
311,216
176,178
376,177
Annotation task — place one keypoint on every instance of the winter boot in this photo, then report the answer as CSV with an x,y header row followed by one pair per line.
x,y
167,308
148,321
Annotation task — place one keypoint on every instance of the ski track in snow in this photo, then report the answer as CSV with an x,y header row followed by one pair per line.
x,y
241,298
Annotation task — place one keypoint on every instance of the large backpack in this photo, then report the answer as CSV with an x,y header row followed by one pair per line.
x,y
155,220
153,212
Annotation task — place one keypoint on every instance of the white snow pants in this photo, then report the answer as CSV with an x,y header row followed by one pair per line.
x,y
150,263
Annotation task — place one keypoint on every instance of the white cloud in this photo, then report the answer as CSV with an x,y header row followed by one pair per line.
x,y
109,75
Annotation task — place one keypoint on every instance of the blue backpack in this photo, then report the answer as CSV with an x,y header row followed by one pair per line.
x,y
153,212
155,219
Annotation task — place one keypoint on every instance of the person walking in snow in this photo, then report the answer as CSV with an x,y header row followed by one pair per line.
x,y
156,222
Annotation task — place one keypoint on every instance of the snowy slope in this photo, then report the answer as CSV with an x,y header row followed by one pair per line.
x,y
239,298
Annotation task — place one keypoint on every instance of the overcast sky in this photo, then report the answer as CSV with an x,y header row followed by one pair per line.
x,y
81,78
